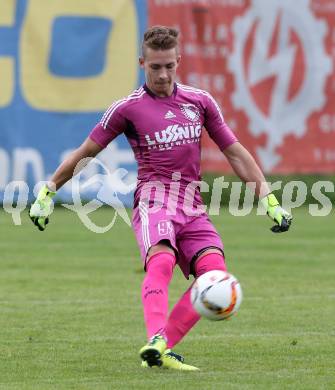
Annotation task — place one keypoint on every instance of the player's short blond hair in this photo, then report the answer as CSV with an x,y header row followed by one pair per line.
x,y
160,38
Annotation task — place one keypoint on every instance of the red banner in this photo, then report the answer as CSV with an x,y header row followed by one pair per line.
x,y
270,65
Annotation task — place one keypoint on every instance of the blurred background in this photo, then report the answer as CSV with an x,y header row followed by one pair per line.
x,y
269,64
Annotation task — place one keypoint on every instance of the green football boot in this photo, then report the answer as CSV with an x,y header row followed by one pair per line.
x,y
173,361
152,352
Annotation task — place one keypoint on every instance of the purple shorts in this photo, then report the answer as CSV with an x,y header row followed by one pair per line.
x,y
188,235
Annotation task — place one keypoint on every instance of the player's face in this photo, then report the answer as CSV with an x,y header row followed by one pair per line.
x,y
160,67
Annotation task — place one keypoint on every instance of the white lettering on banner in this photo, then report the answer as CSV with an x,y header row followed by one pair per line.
x,y
327,123
4,169
22,159
206,51
25,161
280,32
324,156
212,82
212,44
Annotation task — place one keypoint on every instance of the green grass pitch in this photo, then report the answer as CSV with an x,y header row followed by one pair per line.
x,y
71,317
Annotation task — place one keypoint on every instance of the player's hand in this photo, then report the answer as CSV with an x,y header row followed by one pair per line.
x,y
282,218
42,207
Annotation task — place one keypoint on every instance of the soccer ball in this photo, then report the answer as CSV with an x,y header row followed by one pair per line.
x,y
216,295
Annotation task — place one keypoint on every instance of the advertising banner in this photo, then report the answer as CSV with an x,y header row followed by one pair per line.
x,y
62,63
270,66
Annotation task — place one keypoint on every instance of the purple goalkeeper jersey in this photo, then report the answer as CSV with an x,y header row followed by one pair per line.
x,y
164,133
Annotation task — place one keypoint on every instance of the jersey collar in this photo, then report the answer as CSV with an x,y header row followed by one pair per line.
x,y
149,92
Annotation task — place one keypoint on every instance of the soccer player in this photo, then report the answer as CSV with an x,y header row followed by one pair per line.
x,y
163,121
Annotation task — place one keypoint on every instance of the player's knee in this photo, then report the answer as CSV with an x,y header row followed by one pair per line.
x,y
213,260
161,263
162,246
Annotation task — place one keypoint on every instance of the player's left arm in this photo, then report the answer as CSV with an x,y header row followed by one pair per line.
x,y
243,163
245,166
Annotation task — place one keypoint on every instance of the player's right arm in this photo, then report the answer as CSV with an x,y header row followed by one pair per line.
x,y
66,169
110,126
76,161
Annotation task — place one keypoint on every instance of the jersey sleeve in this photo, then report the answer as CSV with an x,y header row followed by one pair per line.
x,y
111,125
215,125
